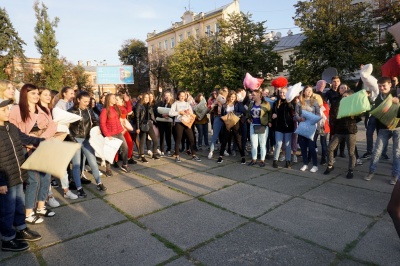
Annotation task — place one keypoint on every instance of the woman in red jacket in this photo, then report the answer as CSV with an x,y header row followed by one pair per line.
x,y
110,126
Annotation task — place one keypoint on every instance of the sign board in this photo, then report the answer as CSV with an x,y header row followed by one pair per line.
x,y
114,74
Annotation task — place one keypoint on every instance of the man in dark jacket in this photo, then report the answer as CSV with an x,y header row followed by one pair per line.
x,y
12,209
346,129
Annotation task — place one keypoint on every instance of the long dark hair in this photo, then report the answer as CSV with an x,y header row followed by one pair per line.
x,y
107,105
79,97
23,101
64,90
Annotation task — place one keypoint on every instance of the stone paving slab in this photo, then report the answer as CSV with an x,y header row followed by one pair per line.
x,y
380,245
145,200
318,175
246,200
180,262
76,219
358,200
58,193
376,184
349,263
124,244
285,183
120,183
255,244
191,223
25,258
165,172
238,172
324,225
200,183
204,165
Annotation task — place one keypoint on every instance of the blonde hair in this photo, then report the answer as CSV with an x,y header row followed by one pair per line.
x,y
3,87
312,98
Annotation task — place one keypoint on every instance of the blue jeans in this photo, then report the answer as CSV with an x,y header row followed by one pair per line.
x,y
37,188
217,126
88,151
371,127
308,145
279,137
382,141
256,139
202,130
12,212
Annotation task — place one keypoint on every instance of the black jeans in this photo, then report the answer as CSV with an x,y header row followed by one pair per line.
x,y
226,135
179,129
165,129
143,138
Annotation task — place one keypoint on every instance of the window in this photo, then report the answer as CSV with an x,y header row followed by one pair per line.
x,y
166,44
216,28
188,34
180,37
152,49
208,30
159,45
172,42
197,33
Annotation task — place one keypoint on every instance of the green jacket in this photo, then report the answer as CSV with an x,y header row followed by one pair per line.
x,y
265,115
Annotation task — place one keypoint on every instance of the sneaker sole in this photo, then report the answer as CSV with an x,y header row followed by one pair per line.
x,y
29,240
14,249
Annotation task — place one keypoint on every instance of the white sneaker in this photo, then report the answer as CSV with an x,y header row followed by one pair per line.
x,y
150,153
226,153
304,167
159,152
393,180
314,169
359,162
282,157
294,158
52,202
169,153
70,195
210,155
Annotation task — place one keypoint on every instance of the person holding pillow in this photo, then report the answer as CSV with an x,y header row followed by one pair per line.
x,y
307,102
80,131
34,120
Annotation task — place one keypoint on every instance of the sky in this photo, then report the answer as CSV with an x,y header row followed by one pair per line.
x,y
95,30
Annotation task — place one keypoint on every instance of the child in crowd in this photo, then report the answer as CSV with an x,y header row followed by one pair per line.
x,y
12,209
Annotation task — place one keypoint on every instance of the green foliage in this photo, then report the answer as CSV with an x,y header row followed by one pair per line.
x,y
46,43
223,58
339,34
134,52
10,46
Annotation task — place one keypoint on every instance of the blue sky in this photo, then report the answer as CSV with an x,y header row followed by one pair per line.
x,y
95,30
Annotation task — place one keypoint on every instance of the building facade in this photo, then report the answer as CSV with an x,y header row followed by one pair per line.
x,y
191,24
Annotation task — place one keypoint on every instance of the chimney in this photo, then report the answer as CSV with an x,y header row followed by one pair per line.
x,y
88,63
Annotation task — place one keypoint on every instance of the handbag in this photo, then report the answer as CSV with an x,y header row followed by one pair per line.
x,y
259,129
230,120
144,127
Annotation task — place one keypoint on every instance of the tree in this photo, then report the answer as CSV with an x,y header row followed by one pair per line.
x,y
159,70
10,47
46,43
245,49
134,52
338,34
75,76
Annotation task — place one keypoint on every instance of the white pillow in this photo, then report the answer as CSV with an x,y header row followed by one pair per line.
x,y
52,156
64,117
293,91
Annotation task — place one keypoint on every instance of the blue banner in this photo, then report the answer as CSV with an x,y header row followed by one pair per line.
x,y
114,74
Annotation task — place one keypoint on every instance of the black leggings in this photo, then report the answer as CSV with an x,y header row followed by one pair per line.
x,y
226,135
143,137
179,129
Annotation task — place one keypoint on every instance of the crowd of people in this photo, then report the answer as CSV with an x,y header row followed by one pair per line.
x,y
261,123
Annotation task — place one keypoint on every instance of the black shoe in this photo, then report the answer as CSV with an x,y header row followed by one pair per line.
x,y
385,157
54,183
243,161
81,193
275,164
109,173
288,165
350,174
267,157
14,245
115,165
251,163
125,169
27,235
220,160
101,187
144,160
72,186
155,157
262,164
366,155
85,181
188,152
132,161
328,170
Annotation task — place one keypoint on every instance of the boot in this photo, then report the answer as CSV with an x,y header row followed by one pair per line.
x,y
289,164
275,164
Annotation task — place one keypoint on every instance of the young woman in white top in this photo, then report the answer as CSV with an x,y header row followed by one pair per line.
x,y
179,108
